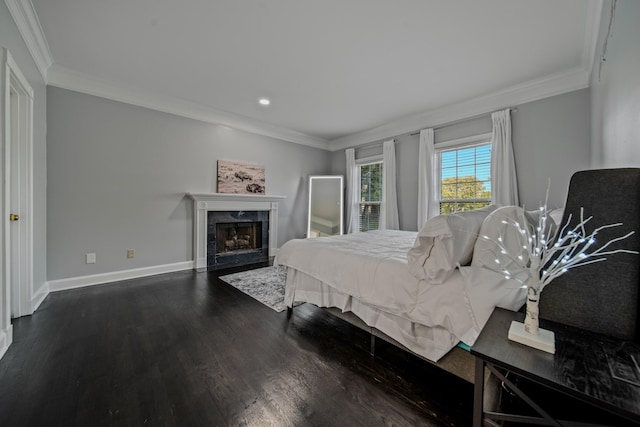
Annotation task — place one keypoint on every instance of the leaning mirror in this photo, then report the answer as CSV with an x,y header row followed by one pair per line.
x,y
325,206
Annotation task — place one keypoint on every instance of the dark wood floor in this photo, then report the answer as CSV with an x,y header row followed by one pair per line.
x,y
187,349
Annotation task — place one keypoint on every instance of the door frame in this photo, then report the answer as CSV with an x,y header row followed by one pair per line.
x,y
16,96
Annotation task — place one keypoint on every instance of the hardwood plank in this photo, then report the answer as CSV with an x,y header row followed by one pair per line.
x,y
187,349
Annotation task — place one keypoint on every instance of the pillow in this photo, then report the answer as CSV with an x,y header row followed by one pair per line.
x,y
499,227
444,242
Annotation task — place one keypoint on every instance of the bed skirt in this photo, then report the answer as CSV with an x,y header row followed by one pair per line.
x,y
416,338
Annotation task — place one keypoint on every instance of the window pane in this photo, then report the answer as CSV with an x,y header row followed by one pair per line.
x,y
448,190
369,216
448,159
466,156
371,182
466,187
449,172
467,171
483,171
370,196
465,179
483,154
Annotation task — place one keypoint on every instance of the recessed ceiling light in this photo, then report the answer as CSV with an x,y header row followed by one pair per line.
x,y
264,101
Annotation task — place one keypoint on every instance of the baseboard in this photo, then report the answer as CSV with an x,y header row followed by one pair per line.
x,y
116,276
6,338
39,296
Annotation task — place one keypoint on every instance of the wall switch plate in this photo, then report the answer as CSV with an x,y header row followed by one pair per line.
x,y
130,253
91,258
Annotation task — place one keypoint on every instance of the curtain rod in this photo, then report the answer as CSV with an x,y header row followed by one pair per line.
x,y
417,132
371,145
455,122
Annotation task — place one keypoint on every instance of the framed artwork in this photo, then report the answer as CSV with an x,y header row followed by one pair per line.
x,y
240,177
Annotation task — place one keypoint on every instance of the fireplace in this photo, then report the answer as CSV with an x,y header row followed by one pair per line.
x,y
240,210
236,238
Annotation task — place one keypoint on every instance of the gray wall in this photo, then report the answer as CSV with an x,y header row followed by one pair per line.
x,y
118,174
11,39
551,139
615,89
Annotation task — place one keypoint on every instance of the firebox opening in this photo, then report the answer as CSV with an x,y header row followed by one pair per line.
x,y
238,237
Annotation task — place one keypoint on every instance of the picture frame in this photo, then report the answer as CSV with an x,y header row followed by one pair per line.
x,y
236,177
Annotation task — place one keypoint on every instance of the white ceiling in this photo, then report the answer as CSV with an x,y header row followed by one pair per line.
x,y
342,71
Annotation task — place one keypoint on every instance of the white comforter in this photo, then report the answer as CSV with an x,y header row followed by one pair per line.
x,y
372,267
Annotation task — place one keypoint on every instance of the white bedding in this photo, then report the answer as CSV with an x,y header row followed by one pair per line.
x,y
372,268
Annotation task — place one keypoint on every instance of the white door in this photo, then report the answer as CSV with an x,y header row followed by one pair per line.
x,y
16,119
20,224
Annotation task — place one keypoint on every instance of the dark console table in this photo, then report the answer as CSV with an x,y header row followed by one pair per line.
x,y
597,370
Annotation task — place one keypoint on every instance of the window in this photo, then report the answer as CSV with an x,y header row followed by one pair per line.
x,y
370,195
465,177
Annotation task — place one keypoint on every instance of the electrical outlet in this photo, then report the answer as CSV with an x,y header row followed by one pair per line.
x,y
91,258
130,253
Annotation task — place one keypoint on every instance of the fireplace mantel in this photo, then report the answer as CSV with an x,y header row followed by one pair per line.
x,y
205,202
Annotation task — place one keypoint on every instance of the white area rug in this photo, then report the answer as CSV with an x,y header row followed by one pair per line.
x,y
264,284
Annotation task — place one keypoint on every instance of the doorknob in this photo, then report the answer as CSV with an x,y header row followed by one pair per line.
x,y
14,217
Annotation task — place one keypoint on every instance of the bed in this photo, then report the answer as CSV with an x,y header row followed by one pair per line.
x,y
419,290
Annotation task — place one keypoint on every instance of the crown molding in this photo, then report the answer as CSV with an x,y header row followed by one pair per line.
x,y
69,79
556,84
28,24
26,19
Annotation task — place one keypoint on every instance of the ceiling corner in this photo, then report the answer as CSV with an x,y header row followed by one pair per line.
x,y
26,19
591,32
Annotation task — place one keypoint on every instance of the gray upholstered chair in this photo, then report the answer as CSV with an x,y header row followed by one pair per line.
x,y
602,297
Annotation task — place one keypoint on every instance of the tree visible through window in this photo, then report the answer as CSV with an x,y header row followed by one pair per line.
x,y
465,178
370,195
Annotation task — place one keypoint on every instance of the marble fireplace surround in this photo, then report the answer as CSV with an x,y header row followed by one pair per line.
x,y
206,202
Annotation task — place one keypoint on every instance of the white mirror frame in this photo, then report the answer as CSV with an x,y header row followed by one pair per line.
x,y
338,178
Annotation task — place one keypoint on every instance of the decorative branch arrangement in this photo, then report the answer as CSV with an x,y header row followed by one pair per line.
x,y
546,254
